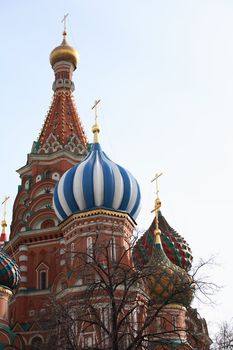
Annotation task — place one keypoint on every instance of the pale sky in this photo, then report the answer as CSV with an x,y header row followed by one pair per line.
x,y
164,73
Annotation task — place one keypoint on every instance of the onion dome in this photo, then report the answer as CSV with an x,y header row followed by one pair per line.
x,y
9,271
64,52
174,245
96,182
167,283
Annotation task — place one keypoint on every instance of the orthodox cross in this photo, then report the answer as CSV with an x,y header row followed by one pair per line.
x,y
157,184
157,201
156,209
95,106
64,21
4,211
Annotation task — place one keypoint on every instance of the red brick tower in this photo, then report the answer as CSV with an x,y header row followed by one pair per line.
x,y
35,236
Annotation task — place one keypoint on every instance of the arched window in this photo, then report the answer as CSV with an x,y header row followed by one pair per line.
x,y
43,279
48,174
47,223
113,249
42,272
36,343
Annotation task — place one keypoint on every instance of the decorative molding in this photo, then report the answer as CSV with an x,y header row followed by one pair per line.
x,y
94,212
5,290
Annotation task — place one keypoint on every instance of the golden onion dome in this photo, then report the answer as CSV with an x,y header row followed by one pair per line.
x,y
64,52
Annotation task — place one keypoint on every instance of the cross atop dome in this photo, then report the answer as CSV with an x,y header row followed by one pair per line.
x,y
64,21
156,210
96,127
3,237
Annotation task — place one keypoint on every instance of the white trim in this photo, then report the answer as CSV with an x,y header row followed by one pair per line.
x,y
51,159
23,258
23,268
23,248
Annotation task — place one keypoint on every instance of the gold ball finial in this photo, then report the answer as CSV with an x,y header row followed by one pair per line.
x,y
64,52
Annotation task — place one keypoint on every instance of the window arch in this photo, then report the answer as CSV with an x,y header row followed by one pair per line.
x,y
47,223
42,276
43,279
113,249
36,343
48,174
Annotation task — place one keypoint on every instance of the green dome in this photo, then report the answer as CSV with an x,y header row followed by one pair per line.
x,y
167,283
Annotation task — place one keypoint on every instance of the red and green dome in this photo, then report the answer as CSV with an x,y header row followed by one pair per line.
x,y
174,245
167,283
9,271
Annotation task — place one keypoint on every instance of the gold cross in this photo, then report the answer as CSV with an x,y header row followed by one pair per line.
x,y
95,106
4,211
157,184
64,21
156,210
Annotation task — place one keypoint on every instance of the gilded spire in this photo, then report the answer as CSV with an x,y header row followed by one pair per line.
x,y
156,210
4,224
96,127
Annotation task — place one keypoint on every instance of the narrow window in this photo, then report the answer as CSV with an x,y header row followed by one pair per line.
x,y
43,279
113,249
89,249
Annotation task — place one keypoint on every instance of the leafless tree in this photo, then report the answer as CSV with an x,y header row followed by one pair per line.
x,y
224,337
111,301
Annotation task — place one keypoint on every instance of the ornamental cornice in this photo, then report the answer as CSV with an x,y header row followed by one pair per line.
x,y
49,158
26,237
95,212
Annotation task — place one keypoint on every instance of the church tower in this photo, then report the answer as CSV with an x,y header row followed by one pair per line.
x,y
36,238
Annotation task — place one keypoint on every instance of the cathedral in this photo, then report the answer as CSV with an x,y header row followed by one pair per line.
x,y
73,274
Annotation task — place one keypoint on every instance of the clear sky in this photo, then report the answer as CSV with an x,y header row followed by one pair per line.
x,y
164,73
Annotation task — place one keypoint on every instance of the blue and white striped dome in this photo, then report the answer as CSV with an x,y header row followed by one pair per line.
x,y
96,182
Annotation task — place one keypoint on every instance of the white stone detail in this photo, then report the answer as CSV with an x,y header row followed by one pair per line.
x,y
56,176
75,146
51,145
38,178
23,268
23,248
23,258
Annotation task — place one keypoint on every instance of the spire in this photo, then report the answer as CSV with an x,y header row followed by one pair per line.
x,y
62,127
156,210
96,127
4,223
